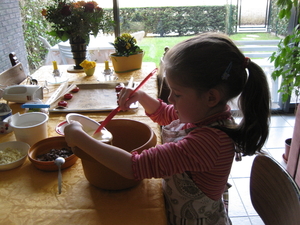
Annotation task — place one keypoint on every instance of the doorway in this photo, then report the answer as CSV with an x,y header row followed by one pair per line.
x,y
253,15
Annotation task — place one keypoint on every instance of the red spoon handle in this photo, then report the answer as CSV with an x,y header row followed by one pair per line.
x,y
116,110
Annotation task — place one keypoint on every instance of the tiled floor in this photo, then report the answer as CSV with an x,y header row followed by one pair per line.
x,y
241,211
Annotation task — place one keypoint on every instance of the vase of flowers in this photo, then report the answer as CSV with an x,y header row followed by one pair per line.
x,y
76,21
128,55
88,67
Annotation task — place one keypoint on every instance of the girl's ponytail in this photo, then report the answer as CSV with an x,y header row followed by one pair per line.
x,y
254,103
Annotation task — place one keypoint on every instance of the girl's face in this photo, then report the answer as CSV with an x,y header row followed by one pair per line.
x,y
189,106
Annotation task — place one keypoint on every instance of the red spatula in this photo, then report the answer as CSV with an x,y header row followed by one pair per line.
x,y
116,110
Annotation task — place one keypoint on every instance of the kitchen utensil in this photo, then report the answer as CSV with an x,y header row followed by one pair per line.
x,y
115,111
59,161
22,93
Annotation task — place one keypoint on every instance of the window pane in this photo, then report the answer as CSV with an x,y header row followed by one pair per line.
x,y
162,30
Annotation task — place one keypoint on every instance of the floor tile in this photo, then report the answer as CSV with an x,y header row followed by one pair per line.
x,y
241,211
290,118
279,121
240,220
277,136
236,207
256,220
242,168
243,186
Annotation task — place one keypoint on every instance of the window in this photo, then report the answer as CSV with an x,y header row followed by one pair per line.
x,y
161,30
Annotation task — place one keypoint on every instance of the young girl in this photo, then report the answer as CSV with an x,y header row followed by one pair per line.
x,y
200,136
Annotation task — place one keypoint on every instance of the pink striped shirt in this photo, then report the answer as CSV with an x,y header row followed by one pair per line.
x,y
205,153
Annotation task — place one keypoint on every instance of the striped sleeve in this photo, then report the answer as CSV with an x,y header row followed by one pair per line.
x,y
206,153
164,115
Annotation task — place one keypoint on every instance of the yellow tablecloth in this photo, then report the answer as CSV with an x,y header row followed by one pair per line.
x,y
30,196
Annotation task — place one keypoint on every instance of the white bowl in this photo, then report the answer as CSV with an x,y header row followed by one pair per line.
x,y
87,123
17,145
90,126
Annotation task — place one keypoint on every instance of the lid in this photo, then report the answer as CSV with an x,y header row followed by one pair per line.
x,y
35,105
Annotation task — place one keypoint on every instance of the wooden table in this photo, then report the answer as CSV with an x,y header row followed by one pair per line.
x,y
30,196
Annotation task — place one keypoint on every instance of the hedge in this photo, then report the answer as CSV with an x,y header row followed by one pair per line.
x,y
179,20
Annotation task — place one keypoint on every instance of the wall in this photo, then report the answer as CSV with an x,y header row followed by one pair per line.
x,y
11,34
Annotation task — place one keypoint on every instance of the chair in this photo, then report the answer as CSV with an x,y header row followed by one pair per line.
x,y
45,42
66,54
163,89
12,76
14,61
13,58
138,36
274,194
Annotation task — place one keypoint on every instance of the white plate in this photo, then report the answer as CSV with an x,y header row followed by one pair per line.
x,y
60,127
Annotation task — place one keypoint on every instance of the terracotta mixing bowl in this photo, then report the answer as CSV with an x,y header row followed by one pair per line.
x,y
127,134
43,147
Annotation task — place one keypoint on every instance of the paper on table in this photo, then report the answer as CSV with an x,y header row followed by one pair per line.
x,y
57,93
60,91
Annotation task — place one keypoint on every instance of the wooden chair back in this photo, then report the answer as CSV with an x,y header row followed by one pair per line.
x,y
13,76
13,58
274,194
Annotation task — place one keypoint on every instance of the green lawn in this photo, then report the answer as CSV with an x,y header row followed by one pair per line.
x,y
253,36
154,46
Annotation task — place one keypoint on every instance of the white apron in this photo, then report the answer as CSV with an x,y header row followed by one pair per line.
x,y
185,203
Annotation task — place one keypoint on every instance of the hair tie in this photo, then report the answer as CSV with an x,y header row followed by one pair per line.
x,y
246,62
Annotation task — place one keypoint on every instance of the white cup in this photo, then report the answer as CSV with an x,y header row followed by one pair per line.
x,y
29,127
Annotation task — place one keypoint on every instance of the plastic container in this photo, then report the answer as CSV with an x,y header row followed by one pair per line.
x,y
36,106
29,127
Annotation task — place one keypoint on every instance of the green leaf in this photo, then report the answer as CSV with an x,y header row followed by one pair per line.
x,y
281,14
286,40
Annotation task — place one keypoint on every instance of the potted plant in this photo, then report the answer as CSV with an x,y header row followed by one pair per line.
x,y
128,55
287,59
76,21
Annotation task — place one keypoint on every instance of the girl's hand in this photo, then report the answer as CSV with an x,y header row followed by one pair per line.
x,y
74,126
125,101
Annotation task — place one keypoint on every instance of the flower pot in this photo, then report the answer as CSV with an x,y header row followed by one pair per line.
x,y
90,72
285,156
123,64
